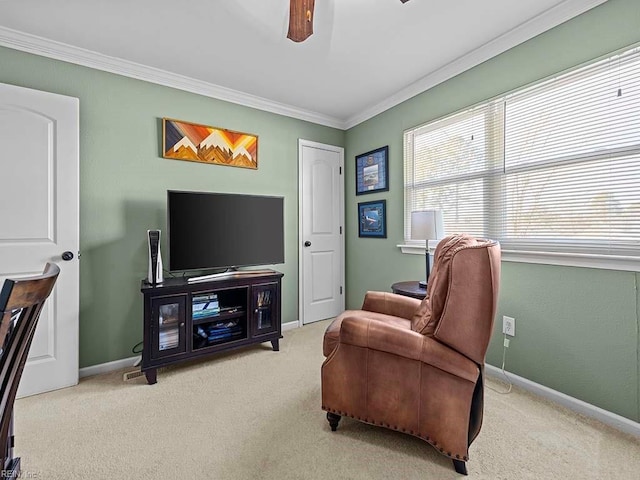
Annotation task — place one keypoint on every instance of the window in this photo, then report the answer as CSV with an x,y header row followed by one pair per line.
x,y
550,168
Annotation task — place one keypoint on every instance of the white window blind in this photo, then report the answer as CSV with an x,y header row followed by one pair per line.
x,y
554,167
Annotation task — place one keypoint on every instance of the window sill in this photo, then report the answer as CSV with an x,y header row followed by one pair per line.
x,y
417,249
606,262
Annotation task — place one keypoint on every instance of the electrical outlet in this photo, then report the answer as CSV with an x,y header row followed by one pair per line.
x,y
509,326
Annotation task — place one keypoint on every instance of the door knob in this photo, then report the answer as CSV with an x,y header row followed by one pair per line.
x,y
307,243
66,256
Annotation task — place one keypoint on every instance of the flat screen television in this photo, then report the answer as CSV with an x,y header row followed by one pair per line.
x,y
223,230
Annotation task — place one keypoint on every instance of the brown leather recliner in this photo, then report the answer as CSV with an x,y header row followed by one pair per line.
x,y
414,366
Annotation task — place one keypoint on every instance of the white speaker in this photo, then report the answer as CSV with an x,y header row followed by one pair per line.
x,y
155,258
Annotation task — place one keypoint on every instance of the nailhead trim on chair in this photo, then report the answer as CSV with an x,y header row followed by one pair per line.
x,y
427,438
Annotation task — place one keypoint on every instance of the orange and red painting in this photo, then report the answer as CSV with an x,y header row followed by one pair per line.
x,y
200,143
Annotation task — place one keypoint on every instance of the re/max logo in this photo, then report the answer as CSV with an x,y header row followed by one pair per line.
x,y
21,474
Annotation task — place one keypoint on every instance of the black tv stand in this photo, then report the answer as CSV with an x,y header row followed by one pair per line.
x,y
185,319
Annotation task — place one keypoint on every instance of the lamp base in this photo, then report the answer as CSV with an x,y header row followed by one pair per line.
x,y
422,284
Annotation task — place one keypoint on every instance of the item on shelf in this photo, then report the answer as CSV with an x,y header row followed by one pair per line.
x,y
200,332
217,331
168,338
205,306
264,318
168,315
264,298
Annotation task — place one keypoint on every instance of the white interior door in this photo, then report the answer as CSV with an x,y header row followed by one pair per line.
x,y
321,231
39,211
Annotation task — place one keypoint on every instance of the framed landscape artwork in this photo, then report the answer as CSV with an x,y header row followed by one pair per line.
x,y
201,143
372,171
372,219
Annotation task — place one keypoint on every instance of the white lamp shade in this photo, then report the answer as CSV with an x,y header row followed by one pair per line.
x,y
427,225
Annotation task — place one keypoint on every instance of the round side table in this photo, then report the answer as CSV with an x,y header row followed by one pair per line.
x,y
409,289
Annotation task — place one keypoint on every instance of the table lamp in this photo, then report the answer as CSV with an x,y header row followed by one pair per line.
x,y
427,225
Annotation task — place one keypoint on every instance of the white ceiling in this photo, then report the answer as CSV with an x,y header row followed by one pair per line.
x,y
365,55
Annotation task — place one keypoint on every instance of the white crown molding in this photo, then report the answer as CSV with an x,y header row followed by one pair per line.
x,y
537,25
61,51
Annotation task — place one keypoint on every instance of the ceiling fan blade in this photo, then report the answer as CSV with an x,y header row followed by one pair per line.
x,y
300,19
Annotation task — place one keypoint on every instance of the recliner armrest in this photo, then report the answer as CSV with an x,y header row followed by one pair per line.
x,y
375,335
391,304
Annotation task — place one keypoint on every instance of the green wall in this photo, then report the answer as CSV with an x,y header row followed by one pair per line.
x,y
123,184
577,328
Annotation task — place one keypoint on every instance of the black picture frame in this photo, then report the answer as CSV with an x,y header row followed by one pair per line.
x,y
372,219
372,171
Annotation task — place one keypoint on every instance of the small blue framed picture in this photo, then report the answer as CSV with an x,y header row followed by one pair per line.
x,y
372,171
372,219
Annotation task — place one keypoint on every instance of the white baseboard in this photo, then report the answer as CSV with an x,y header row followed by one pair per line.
x,y
107,367
290,325
128,362
617,421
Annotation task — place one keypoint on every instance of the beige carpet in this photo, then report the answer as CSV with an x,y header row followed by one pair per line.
x,y
255,414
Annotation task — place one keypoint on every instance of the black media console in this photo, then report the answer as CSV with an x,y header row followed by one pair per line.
x,y
184,320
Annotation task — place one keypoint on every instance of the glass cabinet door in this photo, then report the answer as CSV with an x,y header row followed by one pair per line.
x,y
168,326
265,304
